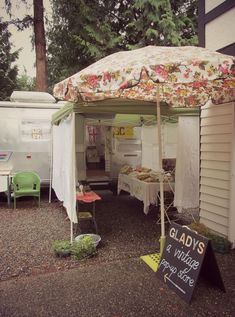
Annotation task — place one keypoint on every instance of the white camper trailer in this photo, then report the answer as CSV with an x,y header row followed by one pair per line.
x,y
25,139
108,141
25,132
108,147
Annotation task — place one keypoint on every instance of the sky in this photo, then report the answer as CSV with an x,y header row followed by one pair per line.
x,y
22,39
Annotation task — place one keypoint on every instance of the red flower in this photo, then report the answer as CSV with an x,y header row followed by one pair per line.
x,y
107,77
191,100
187,72
126,84
160,70
197,84
224,70
92,81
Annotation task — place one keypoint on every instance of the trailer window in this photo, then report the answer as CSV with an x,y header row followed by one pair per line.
x,y
35,129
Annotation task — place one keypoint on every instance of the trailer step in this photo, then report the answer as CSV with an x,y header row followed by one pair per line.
x,y
97,183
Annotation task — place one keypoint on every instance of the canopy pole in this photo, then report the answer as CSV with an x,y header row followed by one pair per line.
x,y
162,237
71,231
51,163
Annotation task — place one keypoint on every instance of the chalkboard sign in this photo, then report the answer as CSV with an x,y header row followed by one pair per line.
x,y
184,255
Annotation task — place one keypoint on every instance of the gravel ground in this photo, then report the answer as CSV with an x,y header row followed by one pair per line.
x,y
27,233
26,236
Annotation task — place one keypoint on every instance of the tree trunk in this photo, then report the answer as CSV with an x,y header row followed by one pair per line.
x,y
40,46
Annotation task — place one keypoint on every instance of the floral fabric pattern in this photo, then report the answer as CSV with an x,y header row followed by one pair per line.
x,y
186,77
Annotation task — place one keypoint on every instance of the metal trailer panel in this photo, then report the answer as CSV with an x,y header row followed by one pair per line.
x,y
25,138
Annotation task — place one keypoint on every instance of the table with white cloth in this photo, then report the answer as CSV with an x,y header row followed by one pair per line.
x,y
5,183
147,192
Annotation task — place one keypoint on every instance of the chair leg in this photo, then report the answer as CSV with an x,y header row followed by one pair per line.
x,y
39,201
78,229
14,202
95,224
93,218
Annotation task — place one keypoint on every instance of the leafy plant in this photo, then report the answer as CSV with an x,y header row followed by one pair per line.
x,y
83,248
219,244
199,228
25,82
62,248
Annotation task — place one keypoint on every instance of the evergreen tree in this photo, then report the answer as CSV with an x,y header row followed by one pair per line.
x,y
39,37
40,45
25,82
82,32
162,23
8,71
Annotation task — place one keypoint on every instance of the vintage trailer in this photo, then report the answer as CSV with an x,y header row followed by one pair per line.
x,y
25,132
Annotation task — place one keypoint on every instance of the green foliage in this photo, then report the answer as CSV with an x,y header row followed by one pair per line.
x,y
199,228
82,32
8,71
62,248
25,83
79,35
163,22
83,248
38,40
80,249
219,244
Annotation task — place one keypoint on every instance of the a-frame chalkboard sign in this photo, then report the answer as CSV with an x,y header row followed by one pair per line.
x,y
186,255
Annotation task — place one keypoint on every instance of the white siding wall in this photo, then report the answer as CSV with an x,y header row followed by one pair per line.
x,y
216,155
216,29
211,4
231,232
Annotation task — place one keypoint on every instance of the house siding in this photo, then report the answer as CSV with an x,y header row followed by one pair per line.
x,y
215,175
216,23
215,30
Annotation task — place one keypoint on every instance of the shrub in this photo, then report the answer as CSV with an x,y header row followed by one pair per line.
x,y
61,247
200,228
219,244
83,248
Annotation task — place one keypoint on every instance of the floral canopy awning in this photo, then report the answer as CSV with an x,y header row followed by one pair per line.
x,y
186,77
178,76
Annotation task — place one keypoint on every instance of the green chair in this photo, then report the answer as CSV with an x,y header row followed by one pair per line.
x,y
26,183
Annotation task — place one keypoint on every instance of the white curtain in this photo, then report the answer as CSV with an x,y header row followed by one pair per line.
x,y
149,139
63,174
187,164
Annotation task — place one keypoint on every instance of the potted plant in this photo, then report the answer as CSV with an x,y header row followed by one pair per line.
x,y
62,248
83,248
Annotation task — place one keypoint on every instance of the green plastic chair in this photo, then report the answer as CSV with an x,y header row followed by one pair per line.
x,y
26,183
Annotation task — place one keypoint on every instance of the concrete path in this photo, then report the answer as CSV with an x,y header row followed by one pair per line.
x,y
117,289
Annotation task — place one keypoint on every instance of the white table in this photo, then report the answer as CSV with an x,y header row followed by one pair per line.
x,y
144,191
7,174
